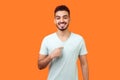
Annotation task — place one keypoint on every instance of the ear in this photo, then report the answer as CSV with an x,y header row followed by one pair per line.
x,y
69,19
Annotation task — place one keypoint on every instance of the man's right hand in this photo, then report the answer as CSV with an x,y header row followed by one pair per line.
x,y
56,52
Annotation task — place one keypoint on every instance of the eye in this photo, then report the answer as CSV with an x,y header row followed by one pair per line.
x,y
65,17
57,17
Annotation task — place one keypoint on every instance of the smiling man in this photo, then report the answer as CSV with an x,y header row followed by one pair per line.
x,y
62,49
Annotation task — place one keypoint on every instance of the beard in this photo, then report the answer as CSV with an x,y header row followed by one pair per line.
x,y
61,28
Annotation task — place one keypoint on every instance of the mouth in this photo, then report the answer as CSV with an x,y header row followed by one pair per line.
x,y
62,24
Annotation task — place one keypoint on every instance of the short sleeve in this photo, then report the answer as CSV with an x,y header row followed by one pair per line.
x,y
83,50
43,48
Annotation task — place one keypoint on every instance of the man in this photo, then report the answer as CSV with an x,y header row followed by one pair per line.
x,y
62,49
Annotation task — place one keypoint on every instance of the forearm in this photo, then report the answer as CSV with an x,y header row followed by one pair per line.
x,y
44,62
85,72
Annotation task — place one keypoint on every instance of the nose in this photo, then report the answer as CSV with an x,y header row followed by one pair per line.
x,y
61,20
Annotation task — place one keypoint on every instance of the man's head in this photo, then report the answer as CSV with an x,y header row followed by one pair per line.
x,y
62,17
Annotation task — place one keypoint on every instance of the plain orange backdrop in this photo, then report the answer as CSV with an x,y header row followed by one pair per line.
x,y
24,23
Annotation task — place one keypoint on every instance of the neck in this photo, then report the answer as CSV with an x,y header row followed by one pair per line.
x,y
65,33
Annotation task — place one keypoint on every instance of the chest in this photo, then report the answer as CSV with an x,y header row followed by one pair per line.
x,y
70,47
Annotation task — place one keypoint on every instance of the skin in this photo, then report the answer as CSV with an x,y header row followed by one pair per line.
x,y
62,19
84,66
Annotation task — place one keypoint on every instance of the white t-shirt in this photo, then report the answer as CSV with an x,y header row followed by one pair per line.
x,y
64,67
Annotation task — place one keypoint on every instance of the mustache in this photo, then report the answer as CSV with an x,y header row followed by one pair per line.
x,y
62,23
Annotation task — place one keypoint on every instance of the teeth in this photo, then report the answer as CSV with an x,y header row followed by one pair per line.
x,y
62,24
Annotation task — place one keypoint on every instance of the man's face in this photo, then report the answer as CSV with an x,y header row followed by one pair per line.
x,y
62,20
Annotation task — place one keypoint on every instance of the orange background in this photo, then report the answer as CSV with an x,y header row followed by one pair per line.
x,y
24,23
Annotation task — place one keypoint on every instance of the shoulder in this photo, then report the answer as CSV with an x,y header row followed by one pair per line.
x,y
50,36
77,36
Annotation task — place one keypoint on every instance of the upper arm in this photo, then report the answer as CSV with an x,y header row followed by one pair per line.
x,y
83,59
43,49
82,49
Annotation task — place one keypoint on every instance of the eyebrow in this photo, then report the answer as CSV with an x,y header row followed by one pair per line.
x,y
62,16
